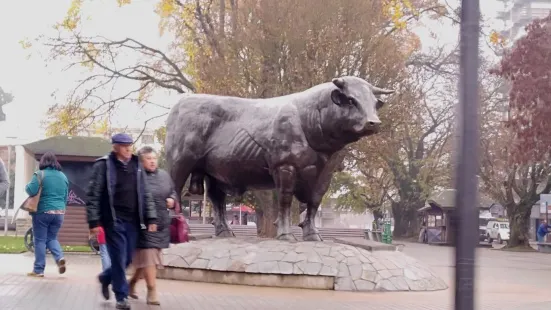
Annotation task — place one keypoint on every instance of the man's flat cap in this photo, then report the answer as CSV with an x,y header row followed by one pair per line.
x,y
121,138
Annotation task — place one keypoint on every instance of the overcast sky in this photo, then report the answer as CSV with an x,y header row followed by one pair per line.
x,y
32,82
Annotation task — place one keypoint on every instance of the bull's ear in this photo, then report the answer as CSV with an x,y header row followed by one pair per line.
x,y
379,104
338,97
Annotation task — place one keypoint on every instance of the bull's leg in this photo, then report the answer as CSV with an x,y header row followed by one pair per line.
x,y
180,171
285,179
218,199
309,230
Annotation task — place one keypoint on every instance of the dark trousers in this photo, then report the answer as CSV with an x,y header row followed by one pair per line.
x,y
121,243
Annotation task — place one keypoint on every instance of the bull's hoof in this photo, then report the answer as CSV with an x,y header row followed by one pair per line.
x,y
312,237
225,234
286,237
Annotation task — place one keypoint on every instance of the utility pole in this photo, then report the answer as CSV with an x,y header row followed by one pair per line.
x,y
467,157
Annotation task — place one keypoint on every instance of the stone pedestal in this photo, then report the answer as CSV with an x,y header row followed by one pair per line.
x,y
312,265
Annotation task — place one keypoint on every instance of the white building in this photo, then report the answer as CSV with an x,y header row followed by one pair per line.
x,y
517,14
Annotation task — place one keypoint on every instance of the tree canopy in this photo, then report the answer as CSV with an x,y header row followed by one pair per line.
x,y
526,68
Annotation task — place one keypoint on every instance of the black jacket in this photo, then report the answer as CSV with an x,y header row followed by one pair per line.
x,y
161,186
99,206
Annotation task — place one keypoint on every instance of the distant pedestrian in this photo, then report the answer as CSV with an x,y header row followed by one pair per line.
x,y
543,230
148,256
48,218
235,220
118,198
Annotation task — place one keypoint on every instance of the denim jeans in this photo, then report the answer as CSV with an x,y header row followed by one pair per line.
x,y
45,230
121,243
104,254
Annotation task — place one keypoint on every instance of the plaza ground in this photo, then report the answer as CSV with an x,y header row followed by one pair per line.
x,y
504,280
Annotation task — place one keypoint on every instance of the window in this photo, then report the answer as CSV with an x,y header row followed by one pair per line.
x,y
439,220
147,139
431,221
504,225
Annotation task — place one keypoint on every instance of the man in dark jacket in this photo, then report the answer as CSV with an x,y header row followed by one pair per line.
x,y
119,200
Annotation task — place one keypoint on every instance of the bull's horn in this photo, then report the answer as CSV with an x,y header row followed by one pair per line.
x,y
382,91
339,82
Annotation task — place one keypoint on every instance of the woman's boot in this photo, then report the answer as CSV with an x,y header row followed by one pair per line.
x,y
132,284
152,298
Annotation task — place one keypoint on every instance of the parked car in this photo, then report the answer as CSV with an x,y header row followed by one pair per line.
x,y
496,230
482,225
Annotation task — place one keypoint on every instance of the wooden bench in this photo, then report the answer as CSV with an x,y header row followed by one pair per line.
x,y
544,247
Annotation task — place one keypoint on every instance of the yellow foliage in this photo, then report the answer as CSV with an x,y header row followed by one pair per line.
x,y
123,2
101,127
165,8
496,38
73,16
396,10
25,44
92,52
66,120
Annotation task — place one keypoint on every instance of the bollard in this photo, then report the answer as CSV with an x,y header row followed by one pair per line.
x,y
387,233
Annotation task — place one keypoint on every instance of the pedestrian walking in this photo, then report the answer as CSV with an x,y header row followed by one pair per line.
x,y
118,198
150,244
543,230
52,186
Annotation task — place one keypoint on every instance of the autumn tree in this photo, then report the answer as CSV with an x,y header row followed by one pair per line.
x,y
515,166
399,168
249,48
525,67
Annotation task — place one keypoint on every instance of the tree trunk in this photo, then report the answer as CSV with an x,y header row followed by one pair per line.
x,y
519,224
405,221
266,214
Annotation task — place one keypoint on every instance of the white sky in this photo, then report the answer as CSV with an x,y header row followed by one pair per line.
x,y
32,82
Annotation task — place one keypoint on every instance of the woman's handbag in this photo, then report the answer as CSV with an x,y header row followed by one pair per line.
x,y
179,228
31,203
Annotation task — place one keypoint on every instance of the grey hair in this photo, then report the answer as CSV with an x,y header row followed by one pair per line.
x,y
144,150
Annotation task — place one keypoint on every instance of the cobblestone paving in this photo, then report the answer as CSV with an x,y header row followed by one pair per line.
x,y
500,286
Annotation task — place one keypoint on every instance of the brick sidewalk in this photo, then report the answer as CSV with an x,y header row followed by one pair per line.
x,y
20,292
78,290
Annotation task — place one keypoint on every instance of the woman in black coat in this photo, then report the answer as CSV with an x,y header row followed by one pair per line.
x,y
150,244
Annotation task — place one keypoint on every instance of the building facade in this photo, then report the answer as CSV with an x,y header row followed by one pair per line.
x,y
516,14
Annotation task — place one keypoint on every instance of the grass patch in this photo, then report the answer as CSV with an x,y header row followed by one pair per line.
x,y
15,245
9,244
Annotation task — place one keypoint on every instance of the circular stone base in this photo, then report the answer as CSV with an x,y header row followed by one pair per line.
x,y
314,265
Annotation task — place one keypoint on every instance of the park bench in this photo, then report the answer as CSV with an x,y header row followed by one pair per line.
x,y
544,247
250,231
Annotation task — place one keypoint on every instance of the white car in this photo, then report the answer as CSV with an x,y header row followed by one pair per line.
x,y
496,230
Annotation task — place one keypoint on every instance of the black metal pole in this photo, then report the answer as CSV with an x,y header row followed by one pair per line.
x,y
467,158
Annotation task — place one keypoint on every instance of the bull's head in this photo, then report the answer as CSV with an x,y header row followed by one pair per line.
x,y
354,110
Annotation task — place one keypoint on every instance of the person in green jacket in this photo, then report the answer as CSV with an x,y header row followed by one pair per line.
x,y
49,215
